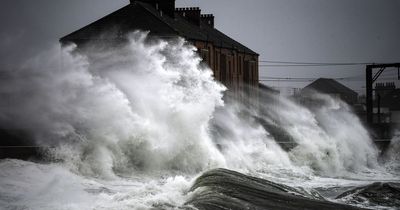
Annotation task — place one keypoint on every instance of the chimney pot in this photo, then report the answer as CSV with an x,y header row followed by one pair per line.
x,y
191,14
208,19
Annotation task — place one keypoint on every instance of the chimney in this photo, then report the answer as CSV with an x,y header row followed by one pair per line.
x,y
208,19
166,6
192,14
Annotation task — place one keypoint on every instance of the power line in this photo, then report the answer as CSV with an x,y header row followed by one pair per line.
x,y
312,63
311,79
269,63
390,75
307,78
309,65
271,80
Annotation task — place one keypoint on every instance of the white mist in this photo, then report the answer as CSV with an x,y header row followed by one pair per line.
x,y
131,127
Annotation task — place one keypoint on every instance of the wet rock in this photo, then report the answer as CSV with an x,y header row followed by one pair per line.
x,y
225,189
376,194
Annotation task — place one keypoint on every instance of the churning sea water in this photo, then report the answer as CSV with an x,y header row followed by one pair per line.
x,y
145,126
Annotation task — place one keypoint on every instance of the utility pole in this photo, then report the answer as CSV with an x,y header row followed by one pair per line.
x,y
370,79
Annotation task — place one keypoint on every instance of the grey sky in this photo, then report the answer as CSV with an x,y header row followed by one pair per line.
x,y
283,30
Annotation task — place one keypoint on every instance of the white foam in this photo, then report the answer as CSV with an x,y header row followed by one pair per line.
x,y
26,185
144,106
331,140
146,111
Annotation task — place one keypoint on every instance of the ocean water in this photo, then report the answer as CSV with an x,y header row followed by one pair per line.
x,y
141,126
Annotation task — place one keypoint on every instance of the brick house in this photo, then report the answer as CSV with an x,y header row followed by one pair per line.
x,y
233,64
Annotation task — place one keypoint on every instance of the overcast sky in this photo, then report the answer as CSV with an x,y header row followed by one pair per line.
x,y
280,30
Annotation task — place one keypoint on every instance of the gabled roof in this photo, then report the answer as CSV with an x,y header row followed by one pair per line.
x,y
329,86
143,16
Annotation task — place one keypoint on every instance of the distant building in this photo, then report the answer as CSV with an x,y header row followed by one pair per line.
x,y
332,88
235,65
386,111
388,97
383,89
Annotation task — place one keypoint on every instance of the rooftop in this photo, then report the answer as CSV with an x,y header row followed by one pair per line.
x,y
329,86
140,15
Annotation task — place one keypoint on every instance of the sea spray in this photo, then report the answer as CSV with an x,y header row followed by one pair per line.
x,y
142,106
245,144
134,124
147,105
330,138
28,185
391,157
326,138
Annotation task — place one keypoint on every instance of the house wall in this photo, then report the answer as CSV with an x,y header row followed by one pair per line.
x,y
238,71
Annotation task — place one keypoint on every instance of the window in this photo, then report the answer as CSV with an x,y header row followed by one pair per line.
x,y
223,67
239,65
204,53
246,72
